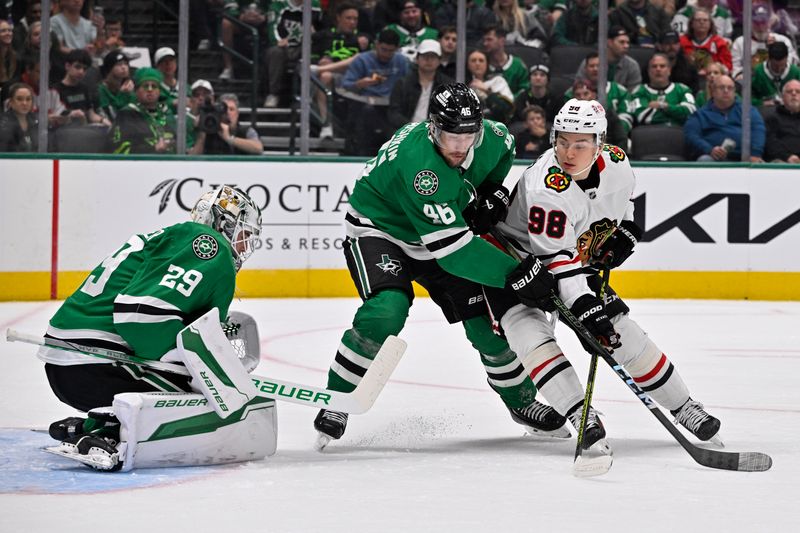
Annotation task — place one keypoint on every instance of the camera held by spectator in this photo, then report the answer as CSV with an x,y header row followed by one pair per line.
x,y
212,116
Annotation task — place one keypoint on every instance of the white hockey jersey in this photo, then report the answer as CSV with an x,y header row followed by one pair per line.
x,y
554,218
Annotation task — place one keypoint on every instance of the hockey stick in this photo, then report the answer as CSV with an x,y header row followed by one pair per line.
x,y
357,402
741,461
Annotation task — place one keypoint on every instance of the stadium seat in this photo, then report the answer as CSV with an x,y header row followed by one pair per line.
x,y
766,111
564,60
528,54
657,143
641,55
560,84
80,139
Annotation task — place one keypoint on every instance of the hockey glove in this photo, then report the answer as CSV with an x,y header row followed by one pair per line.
x,y
533,284
619,245
590,311
489,208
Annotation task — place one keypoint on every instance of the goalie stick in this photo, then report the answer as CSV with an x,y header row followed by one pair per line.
x,y
357,402
738,461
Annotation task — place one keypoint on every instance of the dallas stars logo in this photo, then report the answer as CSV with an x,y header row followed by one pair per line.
x,y
426,182
388,265
205,247
614,153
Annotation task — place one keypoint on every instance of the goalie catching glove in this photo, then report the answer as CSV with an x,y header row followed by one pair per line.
x,y
533,284
619,245
592,314
489,208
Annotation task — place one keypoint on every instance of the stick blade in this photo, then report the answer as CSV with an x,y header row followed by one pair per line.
x,y
740,462
592,466
378,373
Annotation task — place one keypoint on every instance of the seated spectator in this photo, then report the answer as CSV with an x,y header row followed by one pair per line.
x,y
622,68
713,71
577,26
229,137
116,91
702,45
478,16
367,86
512,68
783,127
146,126
534,140
448,39
723,21
762,36
555,9
56,111
411,28
252,12
660,100
617,96
284,30
18,125
9,64
682,70
617,132
77,96
411,95
113,36
538,95
33,13
643,22
521,27
74,32
166,62
492,89
770,76
714,132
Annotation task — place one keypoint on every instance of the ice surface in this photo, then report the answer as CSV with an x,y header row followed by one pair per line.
x,y
438,451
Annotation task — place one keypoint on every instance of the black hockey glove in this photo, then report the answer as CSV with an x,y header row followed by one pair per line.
x,y
533,284
619,245
489,208
590,311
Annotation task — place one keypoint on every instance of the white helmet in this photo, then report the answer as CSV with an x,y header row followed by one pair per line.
x,y
581,116
232,213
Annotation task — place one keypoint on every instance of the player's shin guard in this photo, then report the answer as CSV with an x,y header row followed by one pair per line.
x,y
554,376
648,366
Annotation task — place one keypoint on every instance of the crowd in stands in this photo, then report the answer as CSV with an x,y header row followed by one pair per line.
x,y
673,66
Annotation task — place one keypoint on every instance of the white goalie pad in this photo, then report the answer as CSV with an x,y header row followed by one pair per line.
x,y
242,331
214,366
161,429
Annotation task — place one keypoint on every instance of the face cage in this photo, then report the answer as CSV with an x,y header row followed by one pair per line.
x,y
239,233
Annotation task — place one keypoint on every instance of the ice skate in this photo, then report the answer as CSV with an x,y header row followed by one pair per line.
x,y
97,452
330,425
702,425
541,420
594,436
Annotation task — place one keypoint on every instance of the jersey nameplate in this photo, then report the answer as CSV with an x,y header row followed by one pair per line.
x,y
557,179
426,182
205,247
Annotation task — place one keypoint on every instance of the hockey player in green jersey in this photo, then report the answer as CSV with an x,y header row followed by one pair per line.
x,y
136,302
405,223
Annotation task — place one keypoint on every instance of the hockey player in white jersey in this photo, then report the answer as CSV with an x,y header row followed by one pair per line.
x,y
573,209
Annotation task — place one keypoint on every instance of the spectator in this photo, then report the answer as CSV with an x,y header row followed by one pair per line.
x,y
682,70
512,68
661,101
284,31
721,17
478,16
492,88
252,12
702,45
621,67
200,16
448,39
410,96
33,13
539,94
165,61
367,85
74,32
714,71
770,76
617,131
577,26
111,39
32,45
521,27
116,91
146,126
76,95
762,36
714,132
534,140
9,65
230,137
56,110
783,127
201,100
643,22
411,28
616,97
554,9
18,125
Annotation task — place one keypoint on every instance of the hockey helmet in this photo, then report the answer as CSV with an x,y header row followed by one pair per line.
x,y
581,116
232,213
454,108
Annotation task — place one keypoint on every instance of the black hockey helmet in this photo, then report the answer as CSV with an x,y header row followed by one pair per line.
x,y
455,108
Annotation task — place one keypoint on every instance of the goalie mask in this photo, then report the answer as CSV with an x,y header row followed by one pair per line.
x,y
232,213
456,118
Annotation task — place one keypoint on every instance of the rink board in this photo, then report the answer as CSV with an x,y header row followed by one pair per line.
x,y
727,232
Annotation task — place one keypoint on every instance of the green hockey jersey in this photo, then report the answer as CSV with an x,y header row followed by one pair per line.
x,y
139,298
676,104
410,196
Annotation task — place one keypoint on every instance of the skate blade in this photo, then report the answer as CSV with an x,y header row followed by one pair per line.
x,y
98,462
601,447
716,441
592,466
322,441
560,433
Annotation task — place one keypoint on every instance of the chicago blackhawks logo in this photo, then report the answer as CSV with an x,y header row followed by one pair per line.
x,y
557,179
389,265
426,182
205,247
614,153
591,239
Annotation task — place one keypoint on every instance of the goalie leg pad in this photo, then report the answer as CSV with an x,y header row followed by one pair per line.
x,y
182,429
